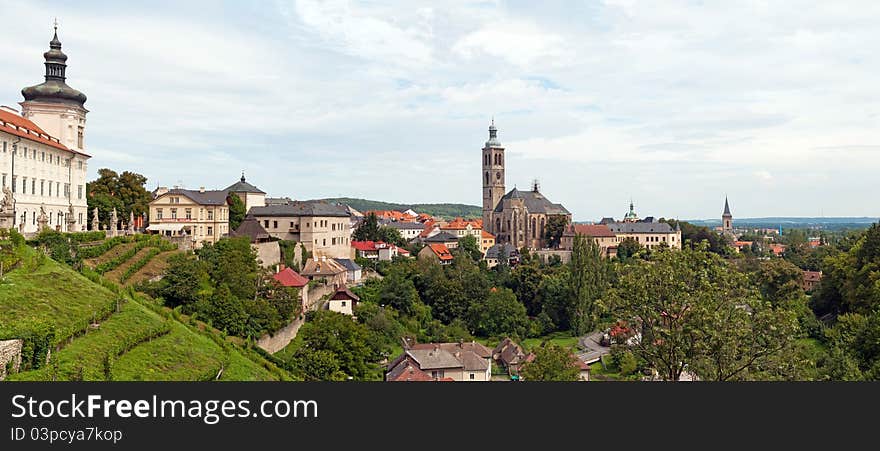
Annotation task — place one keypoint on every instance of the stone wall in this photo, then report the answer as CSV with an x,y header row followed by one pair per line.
x,y
10,351
545,254
269,254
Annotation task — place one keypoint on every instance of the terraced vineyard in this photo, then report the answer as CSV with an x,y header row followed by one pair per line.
x,y
130,261
93,329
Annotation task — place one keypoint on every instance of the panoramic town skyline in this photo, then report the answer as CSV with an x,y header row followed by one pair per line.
x,y
673,108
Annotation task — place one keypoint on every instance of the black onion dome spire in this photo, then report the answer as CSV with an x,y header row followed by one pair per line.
x,y
54,89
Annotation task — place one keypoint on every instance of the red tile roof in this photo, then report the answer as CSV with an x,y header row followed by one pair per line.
x,y
812,276
488,235
441,251
392,215
364,246
16,125
290,278
461,224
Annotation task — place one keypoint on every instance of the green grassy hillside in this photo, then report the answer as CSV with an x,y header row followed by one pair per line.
x,y
95,330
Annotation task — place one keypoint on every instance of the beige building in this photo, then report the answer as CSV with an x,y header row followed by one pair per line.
x,y
323,228
43,162
249,194
343,301
487,240
459,362
648,234
600,233
196,216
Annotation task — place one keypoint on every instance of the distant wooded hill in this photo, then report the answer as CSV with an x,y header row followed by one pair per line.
x,y
446,211
793,222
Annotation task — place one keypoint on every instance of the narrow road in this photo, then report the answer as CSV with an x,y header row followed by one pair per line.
x,y
592,350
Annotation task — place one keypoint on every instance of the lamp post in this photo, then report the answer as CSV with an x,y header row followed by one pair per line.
x,y
12,179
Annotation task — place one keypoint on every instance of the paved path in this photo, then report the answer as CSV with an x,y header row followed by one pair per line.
x,y
592,350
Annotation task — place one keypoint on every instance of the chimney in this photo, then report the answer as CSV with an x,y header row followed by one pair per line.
x,y
201,189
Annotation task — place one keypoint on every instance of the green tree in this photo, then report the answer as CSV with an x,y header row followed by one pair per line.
x,y
234,262
690,309
470,246
499,315
552,363
628,248
526,280
554,229
351,345
317,365
124,191
589,279
182,281
780,281
399,292
226,311
237,210
368,230
556,299
390,235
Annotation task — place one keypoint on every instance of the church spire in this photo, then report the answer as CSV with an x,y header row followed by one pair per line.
x,y
726,207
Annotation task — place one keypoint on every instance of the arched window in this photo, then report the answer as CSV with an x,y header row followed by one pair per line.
x,y
500,159
487,178
534,226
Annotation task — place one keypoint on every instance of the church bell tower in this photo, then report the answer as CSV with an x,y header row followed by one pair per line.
x,y
493,177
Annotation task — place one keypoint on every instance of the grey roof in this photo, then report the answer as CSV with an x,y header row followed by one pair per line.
x,y
404,225
213,197
431,359
304,208
278,200
442,237
348,263
640,227
252,229
472,362
726,208
534,201
242,186
502,250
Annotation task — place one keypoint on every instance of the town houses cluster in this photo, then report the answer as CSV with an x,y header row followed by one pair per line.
x,y
43,172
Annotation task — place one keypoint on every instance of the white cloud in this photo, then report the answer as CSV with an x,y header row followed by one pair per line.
x,y
520,43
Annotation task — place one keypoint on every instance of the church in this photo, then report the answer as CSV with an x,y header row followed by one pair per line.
x,y
43,163
516,217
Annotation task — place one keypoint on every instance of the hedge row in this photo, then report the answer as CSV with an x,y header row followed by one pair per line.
x,y
131,270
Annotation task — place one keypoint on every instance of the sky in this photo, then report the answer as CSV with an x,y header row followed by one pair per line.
x,y
671,103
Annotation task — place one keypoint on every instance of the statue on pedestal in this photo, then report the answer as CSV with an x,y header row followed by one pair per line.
x,y
6,205
96,225
71,220
6,209
42,219
114,222
131,223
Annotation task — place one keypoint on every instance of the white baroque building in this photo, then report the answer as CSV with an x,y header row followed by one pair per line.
x,y
42,151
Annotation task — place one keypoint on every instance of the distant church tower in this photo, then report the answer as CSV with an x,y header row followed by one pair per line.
x,y
52,105
493,176
726,218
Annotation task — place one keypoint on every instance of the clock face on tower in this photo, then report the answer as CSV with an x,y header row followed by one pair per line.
x,y
498,175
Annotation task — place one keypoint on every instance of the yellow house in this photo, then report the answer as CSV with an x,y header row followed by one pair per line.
x,y
196,216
